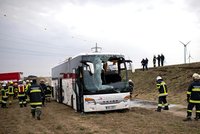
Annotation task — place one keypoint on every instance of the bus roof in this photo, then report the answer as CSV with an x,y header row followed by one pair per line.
x,y
84,54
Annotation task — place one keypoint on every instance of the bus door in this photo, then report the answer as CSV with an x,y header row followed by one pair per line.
x,y
60,95
79,90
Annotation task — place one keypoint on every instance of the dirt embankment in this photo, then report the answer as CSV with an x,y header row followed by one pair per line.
x,y
177,77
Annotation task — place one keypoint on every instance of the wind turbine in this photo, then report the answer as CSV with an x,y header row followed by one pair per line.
x,y
189,57
185,49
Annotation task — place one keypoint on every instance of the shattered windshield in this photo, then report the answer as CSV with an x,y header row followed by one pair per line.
x,y
102,73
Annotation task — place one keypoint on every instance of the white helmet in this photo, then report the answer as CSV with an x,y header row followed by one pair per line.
x,y
20,81
196,76
158,78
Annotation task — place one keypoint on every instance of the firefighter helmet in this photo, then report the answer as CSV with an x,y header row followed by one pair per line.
x,y
42,80
20,81
196,76
158,78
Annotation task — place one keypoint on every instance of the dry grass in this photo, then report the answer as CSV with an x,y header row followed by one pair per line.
x,y
177,77
60,119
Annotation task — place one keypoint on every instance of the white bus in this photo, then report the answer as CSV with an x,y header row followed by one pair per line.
x,y
93,82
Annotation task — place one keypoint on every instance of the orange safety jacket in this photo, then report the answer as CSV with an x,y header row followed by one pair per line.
x,y
21,90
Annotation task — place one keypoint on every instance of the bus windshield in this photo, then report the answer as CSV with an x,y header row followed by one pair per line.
x,y
103,74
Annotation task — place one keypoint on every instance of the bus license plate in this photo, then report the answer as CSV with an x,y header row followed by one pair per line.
x,y
110,107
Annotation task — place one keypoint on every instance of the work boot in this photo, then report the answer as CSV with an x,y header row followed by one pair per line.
x,y
166,108
196,118
158,109
38,113
187,119
38,117
33,113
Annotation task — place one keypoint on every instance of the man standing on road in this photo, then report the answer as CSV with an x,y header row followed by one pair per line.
x,y
193,97
162,97
35,94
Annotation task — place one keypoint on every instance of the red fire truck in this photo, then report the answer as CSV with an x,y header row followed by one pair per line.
x,y
11,76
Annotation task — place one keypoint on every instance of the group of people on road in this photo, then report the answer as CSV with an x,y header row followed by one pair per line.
x,y
26,92
193,96
160,59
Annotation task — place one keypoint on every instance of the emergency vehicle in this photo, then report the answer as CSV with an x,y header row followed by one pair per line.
x,y
11,76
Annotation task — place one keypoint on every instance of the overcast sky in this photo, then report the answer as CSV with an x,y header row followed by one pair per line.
x,y
36,35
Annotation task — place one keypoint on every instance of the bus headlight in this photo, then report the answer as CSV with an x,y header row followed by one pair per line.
x,y
90,100
126,98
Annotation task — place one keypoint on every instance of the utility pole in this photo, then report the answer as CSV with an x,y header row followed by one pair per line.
x,y
185,49
96,49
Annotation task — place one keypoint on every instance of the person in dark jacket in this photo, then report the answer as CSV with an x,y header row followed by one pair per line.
x,y
162,97
158,58
146,63
4,94
44,88
154,61
162,58
193,97
47,92
35,94
143,64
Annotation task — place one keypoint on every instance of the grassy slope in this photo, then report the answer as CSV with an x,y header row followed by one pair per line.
x,y
177,77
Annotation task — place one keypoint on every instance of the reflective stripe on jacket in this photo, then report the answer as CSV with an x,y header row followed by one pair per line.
x,y
162,88
21,90
194,92
10,90
35,94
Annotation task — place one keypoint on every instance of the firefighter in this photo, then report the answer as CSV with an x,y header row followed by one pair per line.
x,y
193,97
35,94
162,97
47,92
4,93
10,92
28,84
21,94
44,87
15,85
131,86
